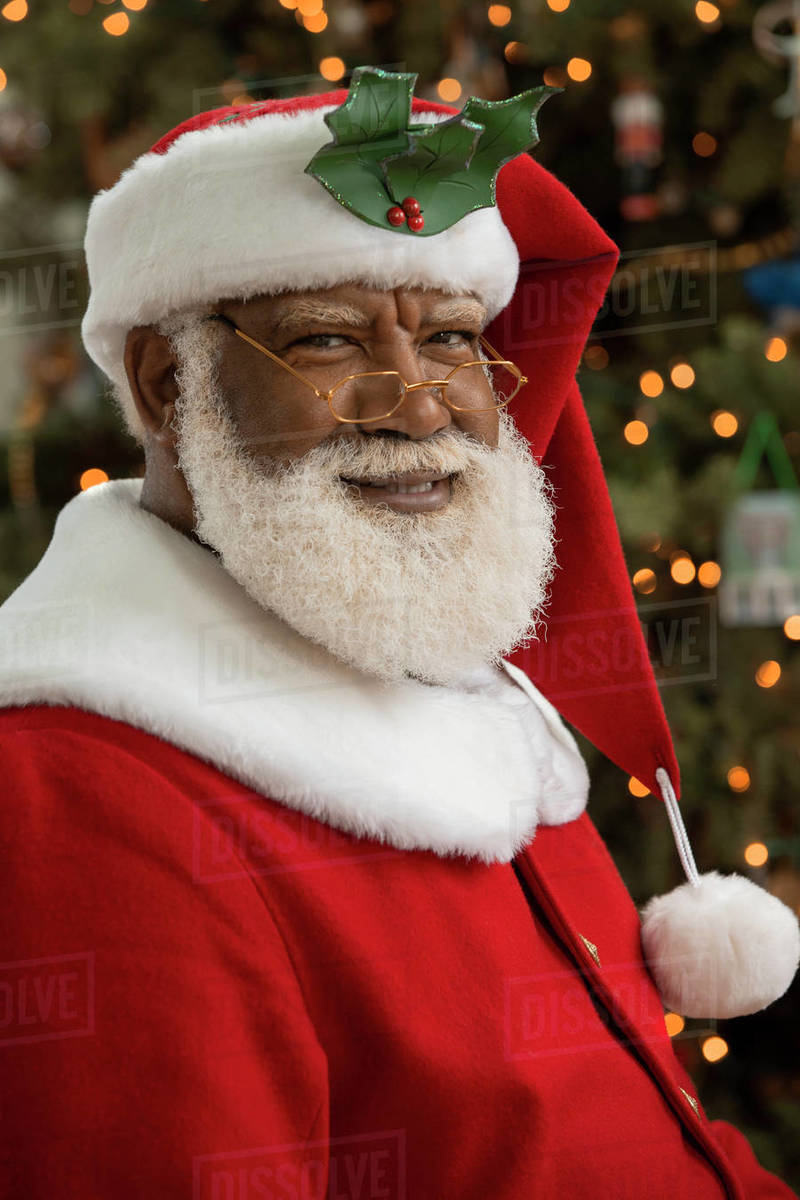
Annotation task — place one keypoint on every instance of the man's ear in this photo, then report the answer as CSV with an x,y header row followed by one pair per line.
x,y
150,367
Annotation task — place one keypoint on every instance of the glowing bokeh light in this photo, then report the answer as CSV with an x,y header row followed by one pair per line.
x,y
448,89
704,144
554,76
768,673
724,423
315,22
636,432
709,574
706,12
515,52
674,1022
682,569
499,15
756,854
651,384
15,10
332,68
117,24
579,69
682,376
738,779
714,1048
776,349
91,477
645,581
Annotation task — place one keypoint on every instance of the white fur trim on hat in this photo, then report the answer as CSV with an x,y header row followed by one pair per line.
x,y
228,212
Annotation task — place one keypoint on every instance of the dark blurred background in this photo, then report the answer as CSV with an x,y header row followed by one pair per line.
x,y
680,132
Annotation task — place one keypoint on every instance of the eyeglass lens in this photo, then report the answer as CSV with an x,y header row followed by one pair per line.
x,y
472,387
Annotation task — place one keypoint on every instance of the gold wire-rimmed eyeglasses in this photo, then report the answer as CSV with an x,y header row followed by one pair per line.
x,y
499,374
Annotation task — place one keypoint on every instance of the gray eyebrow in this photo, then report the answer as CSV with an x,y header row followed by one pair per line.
x,y
302,312
455,311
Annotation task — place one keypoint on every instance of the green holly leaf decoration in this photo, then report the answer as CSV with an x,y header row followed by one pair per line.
x,y
369,127
378,158
438,158
509,128
377,108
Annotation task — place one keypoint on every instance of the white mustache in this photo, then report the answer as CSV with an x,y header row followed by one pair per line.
x,y
447,454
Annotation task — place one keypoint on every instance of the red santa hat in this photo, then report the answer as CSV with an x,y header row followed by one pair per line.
x,y
225,205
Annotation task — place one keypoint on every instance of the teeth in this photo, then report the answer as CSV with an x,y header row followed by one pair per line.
x,y
401,489
408,489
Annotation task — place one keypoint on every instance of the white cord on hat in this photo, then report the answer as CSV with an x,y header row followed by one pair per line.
x,y
679,833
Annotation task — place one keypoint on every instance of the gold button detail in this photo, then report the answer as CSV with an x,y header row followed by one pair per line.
x,y
590,946
692,1101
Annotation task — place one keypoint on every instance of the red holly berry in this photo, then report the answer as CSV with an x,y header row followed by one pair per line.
x,y
411,206
416,223
395,215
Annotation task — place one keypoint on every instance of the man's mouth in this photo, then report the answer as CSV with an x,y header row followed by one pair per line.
x,y
414,491
410,484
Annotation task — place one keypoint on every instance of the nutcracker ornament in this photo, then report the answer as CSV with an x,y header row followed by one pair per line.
x,y
638,114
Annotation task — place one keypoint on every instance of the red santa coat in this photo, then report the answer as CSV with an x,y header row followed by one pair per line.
x,y
254,947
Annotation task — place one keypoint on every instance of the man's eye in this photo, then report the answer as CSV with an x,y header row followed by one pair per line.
x,y
322,341
456,336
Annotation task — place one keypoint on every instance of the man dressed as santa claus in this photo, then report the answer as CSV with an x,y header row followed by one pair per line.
x,y
301,899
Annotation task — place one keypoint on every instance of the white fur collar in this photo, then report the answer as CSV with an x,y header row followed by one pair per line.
x,y
126,617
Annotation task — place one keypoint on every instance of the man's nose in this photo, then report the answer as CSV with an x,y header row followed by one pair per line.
x,y
423,411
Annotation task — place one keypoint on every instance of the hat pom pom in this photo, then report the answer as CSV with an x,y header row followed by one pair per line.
x,y
720,946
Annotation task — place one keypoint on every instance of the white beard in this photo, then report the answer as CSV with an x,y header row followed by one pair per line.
x,y
430,595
